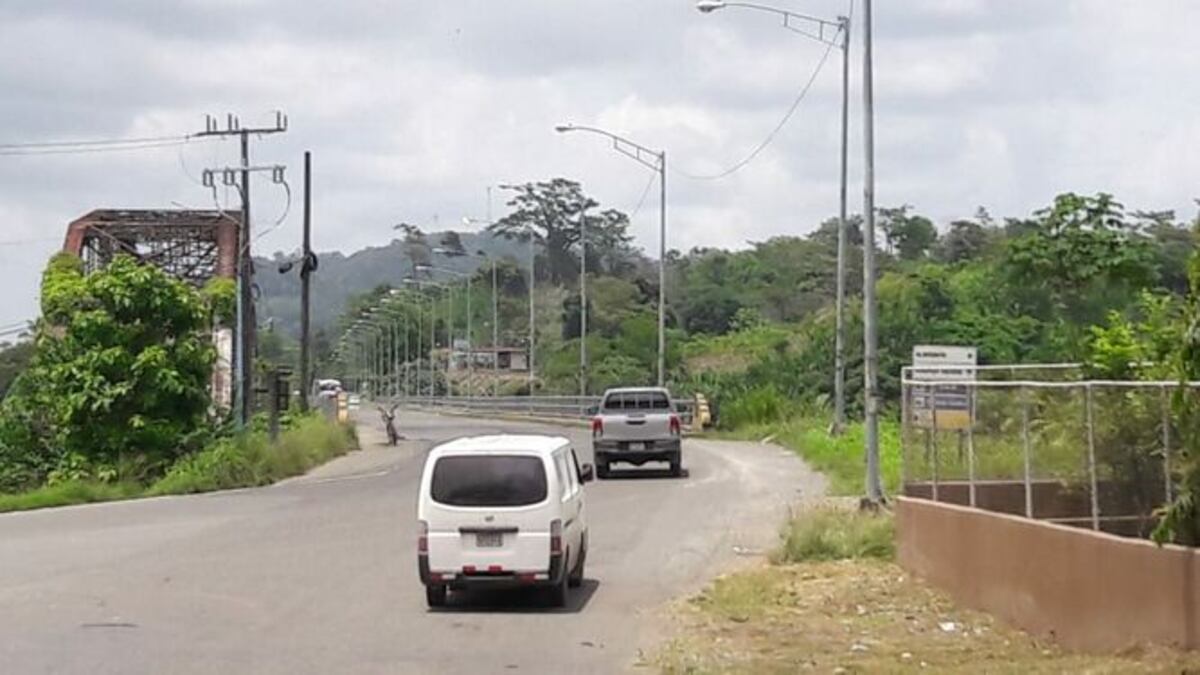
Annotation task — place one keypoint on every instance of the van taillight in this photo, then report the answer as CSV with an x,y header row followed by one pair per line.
x,y
556,537
597,427
675,427
423,538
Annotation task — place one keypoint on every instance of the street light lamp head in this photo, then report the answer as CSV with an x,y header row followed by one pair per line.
x,y
708,6
564,128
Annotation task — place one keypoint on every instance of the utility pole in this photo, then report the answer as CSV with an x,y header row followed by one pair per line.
x,y
870,337
839,358
244,345
306,269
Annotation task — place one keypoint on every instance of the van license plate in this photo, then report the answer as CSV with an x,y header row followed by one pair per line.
x,y
637,446
489,539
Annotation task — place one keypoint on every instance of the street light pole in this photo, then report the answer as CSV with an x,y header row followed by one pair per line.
x,y
583,378
870,338
656,160
839,368
532,317
662,269
495,333
842,25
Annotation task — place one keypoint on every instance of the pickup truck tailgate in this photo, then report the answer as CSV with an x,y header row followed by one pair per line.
x,y
636,426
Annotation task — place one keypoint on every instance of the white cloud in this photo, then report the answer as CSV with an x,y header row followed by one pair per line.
x,y
412,108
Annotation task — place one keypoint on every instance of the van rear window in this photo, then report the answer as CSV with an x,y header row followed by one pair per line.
x,y
489,480
637,400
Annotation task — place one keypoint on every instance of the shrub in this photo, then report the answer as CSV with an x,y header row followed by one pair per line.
x,y
837,534
761,405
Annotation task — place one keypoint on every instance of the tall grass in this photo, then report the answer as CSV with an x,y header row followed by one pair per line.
x,y
837,534
840,458
761,405
69,492
250,459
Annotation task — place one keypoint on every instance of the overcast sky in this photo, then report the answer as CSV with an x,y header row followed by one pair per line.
x,y
412,108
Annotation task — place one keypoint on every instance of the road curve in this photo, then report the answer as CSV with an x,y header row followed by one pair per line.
x,y
318,574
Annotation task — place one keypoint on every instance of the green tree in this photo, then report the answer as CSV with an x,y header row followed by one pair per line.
x,y
13,361
1082,259
119,377
908,236
965,240
552,212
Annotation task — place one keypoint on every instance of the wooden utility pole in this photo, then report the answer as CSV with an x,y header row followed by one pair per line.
x,y
307,267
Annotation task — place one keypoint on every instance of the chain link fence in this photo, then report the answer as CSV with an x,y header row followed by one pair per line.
x,y
1087,453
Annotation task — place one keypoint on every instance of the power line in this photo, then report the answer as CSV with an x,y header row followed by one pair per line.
x,y
103,141
89,149
23,242
800,96
642,199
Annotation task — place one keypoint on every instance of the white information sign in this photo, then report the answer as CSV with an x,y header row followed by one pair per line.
x,y
942,407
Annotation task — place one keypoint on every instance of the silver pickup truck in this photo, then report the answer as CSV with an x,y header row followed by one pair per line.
x,y
636,425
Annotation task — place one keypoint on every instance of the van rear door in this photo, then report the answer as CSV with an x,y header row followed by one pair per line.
x,y
490,513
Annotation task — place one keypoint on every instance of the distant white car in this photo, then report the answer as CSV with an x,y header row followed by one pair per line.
x,y
327,388
502,511
637,425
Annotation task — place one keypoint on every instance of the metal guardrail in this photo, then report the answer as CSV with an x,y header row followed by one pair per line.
x,y
567,407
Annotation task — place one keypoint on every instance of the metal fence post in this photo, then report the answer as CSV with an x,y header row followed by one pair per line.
x,y
971,450
905,427
1166,441
934,441
1091,441
1025,443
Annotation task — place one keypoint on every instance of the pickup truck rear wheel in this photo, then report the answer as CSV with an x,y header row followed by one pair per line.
x,y
602,469
676,467
435,596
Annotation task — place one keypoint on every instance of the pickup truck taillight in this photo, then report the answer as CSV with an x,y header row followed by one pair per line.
x,y
676,429
597,427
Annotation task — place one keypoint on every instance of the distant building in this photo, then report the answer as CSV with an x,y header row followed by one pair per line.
x,y
505,359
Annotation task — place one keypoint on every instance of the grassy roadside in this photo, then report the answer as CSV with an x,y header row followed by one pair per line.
x,y
245,460
840,458
832,600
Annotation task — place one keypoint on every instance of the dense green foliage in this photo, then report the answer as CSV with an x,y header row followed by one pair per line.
x,y
118,384
13,361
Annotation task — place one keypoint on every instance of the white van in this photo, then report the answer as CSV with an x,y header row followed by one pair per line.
x,y
501,511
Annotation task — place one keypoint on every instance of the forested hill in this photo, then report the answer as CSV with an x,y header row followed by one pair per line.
x,y
340,276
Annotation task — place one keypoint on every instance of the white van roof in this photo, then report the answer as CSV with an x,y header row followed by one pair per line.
x,y
500,444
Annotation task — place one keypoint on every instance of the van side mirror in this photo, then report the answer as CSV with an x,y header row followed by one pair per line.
x,y
593,410
587,473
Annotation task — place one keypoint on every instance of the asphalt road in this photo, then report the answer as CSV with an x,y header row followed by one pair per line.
x,y
318,574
